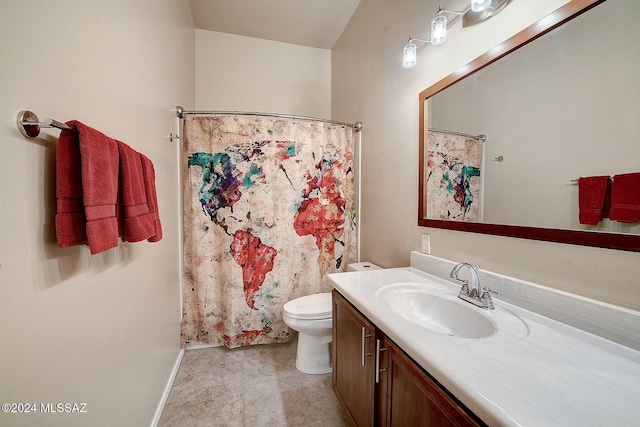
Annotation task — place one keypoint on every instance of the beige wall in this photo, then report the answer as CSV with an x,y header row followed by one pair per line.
x,y
104,329
369,84
100,329
236,73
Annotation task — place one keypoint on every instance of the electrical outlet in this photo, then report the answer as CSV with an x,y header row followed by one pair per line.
x,y
426,244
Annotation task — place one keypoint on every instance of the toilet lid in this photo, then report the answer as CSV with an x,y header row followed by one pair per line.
x,y
316,306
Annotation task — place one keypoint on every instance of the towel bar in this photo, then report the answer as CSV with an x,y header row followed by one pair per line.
x,y
29,124
575,181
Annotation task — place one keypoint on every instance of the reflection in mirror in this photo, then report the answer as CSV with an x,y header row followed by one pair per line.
x,y
455,164
564,106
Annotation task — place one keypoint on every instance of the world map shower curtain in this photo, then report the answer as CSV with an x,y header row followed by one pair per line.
x,y
269,210
454,178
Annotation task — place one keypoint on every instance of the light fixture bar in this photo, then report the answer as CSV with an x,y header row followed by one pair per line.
x,y
479,9
459,14
411,39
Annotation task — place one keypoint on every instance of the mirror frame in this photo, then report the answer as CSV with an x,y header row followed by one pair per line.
x,y
565,13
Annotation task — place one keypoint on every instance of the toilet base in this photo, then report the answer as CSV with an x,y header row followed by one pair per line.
x,y
312,355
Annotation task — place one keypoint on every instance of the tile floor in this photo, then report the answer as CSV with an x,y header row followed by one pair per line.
x,y
249,387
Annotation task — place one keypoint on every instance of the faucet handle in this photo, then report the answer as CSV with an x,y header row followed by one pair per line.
x,y
485,298
487,291
465,287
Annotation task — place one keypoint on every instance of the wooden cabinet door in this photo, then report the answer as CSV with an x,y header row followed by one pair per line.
x,y
353,361
410,397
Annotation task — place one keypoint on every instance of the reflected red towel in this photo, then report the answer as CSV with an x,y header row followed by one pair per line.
x,y
625,198
70,219
149,174
592,193
99,165
138,223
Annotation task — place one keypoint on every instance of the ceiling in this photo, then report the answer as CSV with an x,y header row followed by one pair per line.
x,y
312,23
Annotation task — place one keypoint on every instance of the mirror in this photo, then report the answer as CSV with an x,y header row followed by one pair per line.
x,y
557,102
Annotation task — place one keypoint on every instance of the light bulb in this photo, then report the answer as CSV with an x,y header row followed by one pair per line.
x,y
439,30
480,5
410,56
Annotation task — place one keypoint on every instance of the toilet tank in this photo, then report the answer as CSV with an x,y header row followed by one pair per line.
x,y
362,266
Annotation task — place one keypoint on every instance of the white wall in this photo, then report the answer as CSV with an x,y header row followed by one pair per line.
x,y
369,84
100,329
236,73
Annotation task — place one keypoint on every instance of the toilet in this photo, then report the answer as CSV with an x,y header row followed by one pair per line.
x,y
311,316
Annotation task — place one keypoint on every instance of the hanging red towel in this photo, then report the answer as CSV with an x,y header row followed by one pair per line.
x,y
86,188
625,198
137,222
149,174
70,219
99,165
104,190
592,198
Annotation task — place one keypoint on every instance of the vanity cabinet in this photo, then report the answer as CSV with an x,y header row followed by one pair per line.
x,y
378,384
353,363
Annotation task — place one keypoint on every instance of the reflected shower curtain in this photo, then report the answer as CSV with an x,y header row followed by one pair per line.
x,y
454,185
269,210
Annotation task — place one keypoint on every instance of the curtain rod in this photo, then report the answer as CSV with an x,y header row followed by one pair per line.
x,y
180,112
482,138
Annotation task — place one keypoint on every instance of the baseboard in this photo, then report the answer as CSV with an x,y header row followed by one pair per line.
x,y
199,346
167,389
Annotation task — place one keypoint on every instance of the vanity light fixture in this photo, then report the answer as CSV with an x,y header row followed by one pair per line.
x,y
477,11
410,54
439,29
480,5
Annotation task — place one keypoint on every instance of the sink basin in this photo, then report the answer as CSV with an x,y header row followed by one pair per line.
x,y
438,308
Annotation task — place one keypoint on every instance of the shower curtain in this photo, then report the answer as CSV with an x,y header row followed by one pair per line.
x,y
269,210
454,185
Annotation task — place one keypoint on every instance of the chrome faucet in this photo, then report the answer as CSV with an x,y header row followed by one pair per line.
x,y
472,292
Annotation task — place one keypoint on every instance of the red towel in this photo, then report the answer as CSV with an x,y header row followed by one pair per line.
x,y
592,196
625,198
138,223
149,174
104,190
99,164
70,219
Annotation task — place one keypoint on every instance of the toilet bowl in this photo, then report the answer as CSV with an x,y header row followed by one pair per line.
x,y
311,317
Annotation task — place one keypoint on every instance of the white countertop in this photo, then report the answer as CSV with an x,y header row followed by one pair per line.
x,y
555,375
